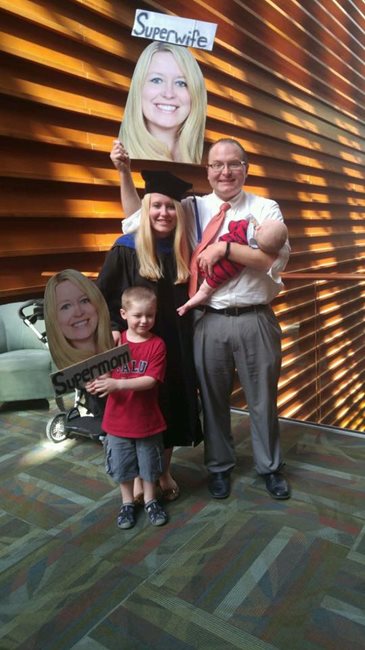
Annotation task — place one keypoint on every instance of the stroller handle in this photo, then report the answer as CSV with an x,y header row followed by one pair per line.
x,y
38,312
30,319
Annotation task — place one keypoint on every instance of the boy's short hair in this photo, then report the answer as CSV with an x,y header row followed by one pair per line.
x,y
138,294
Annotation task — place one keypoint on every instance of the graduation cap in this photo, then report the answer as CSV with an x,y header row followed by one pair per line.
x,y
165,183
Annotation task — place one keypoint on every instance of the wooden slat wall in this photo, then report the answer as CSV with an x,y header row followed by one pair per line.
x,y
286,79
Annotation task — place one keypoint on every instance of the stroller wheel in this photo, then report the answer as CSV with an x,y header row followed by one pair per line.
x,y
56,428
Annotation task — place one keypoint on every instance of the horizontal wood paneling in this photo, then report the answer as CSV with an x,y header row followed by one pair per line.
x,y
287,80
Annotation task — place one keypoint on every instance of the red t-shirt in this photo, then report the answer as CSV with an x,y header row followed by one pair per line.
x,y
136,413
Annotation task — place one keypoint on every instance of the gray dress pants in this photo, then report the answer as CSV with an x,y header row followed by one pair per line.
x,y
250,342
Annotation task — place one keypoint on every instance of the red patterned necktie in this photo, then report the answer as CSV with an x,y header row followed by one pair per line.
x,y
208,237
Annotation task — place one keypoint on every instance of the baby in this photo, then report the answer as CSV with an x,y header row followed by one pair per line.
x,y
270,236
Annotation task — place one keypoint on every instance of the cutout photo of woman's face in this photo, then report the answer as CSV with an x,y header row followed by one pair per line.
x,y
76,315
165,112
166,101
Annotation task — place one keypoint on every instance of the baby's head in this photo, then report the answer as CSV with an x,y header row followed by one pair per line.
x,y
271,235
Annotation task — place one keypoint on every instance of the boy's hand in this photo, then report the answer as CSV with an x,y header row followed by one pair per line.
x,y
103,386
91,386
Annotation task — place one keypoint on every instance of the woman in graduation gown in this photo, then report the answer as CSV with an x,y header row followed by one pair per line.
x,y
157,256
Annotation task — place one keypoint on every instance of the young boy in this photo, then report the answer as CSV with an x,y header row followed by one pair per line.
x,y
132,419
269,236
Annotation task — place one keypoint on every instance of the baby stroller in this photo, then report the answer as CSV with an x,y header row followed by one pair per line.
x,y
85,417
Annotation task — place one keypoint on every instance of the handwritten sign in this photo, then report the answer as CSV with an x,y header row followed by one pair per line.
x,y
76,376
173,29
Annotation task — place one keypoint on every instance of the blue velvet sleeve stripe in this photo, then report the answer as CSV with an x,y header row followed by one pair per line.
x,y
126,240
164,245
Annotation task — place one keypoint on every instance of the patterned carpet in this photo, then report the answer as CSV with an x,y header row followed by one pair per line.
x,y
248,572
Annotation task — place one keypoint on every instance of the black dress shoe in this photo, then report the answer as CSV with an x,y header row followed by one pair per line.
x,y
277,486
219,484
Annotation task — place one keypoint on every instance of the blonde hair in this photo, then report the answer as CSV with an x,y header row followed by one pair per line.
x,y
134,133
138,294
62,352
272,235
149,265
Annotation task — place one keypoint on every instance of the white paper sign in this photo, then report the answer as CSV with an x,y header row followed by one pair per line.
x,y
173,29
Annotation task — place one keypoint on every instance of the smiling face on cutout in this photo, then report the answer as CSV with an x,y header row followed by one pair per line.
x,y
76,315
166,101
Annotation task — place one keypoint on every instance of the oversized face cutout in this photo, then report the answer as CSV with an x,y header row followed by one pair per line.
x,y
165,113
166,101
76,316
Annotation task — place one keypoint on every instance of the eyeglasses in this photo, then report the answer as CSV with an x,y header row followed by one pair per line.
x,y
233,165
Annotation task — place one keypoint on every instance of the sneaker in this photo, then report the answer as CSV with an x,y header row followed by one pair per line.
x,y
126,517
156,514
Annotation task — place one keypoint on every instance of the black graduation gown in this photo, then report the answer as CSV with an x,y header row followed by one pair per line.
x,y
178,393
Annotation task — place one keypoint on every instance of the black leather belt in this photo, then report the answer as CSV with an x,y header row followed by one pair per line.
x,y
230,311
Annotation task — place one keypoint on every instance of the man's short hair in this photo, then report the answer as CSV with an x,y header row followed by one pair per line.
x,y
230,141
